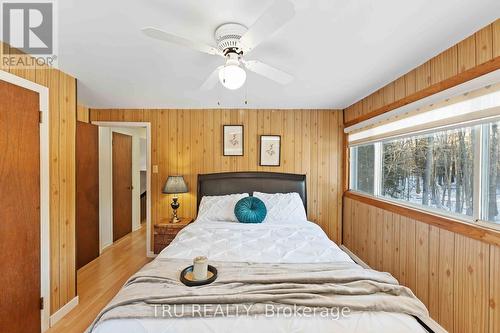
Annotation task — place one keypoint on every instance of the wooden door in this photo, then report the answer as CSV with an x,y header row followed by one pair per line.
x,y
122,185
19,209
87,193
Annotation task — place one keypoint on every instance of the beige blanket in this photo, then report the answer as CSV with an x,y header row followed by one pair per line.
x,y
260,289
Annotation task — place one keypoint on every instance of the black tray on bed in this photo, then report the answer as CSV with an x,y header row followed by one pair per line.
x,y
187,276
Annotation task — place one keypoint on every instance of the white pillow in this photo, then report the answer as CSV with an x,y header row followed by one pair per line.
x,y
283,207
219,207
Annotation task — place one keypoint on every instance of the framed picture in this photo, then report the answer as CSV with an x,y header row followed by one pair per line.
x,y
233,140
270,150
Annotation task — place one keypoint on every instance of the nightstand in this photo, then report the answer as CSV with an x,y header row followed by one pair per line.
x,y
166,231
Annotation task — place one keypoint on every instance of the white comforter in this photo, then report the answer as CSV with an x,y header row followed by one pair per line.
x,y
301,242
264,243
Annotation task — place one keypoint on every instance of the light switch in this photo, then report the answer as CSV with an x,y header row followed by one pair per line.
x,y
155,168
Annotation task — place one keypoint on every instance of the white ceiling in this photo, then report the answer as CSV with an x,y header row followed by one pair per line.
x,y
338,50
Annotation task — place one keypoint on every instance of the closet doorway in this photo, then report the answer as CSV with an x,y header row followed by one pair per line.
x,y
24,208
87,193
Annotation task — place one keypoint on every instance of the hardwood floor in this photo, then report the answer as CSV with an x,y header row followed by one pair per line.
x,y
101,279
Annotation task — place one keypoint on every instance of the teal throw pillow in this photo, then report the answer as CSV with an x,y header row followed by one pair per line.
x,y
250,210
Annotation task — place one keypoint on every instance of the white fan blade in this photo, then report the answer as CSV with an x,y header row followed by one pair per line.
x,y
280,12
168,37
268,71
212,80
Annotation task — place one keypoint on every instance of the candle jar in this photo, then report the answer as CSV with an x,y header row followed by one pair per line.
x,y
200,268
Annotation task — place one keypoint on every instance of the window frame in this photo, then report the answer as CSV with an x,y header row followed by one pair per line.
x,y
353,170
480,177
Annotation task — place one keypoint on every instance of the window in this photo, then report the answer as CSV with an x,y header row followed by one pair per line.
x,y
441,156
433,170
452,171
492,189
362,170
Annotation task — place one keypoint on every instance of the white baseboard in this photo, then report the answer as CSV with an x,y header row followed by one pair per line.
x,y
104,247
59,314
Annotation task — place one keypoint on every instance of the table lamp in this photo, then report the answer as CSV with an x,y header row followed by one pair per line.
x,y
175,185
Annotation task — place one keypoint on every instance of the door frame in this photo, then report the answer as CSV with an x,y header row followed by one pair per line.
x,y
43,93
147,125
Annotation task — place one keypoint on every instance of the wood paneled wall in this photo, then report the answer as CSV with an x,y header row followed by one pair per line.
x,y
189,142
82,113
475,56
62,110
457,277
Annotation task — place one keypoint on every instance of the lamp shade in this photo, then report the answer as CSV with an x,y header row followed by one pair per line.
x,y
174,185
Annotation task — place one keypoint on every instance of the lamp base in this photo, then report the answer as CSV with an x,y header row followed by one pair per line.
x,y
175,205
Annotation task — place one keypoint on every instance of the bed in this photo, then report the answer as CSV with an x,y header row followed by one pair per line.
x,y
293,261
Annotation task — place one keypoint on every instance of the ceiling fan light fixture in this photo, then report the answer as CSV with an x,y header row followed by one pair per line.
x,y
232,76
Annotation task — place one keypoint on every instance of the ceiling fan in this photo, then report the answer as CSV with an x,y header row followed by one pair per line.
x,y
234,40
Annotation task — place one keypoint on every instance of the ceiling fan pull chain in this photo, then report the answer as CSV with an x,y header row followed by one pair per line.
x,y
246,94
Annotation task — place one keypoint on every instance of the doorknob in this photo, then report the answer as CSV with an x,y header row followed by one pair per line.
x,y
130,187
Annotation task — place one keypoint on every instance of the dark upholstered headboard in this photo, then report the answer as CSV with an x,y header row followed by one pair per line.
x,y
248,182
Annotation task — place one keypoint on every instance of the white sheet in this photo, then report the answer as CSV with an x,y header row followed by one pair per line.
x,y
265,243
